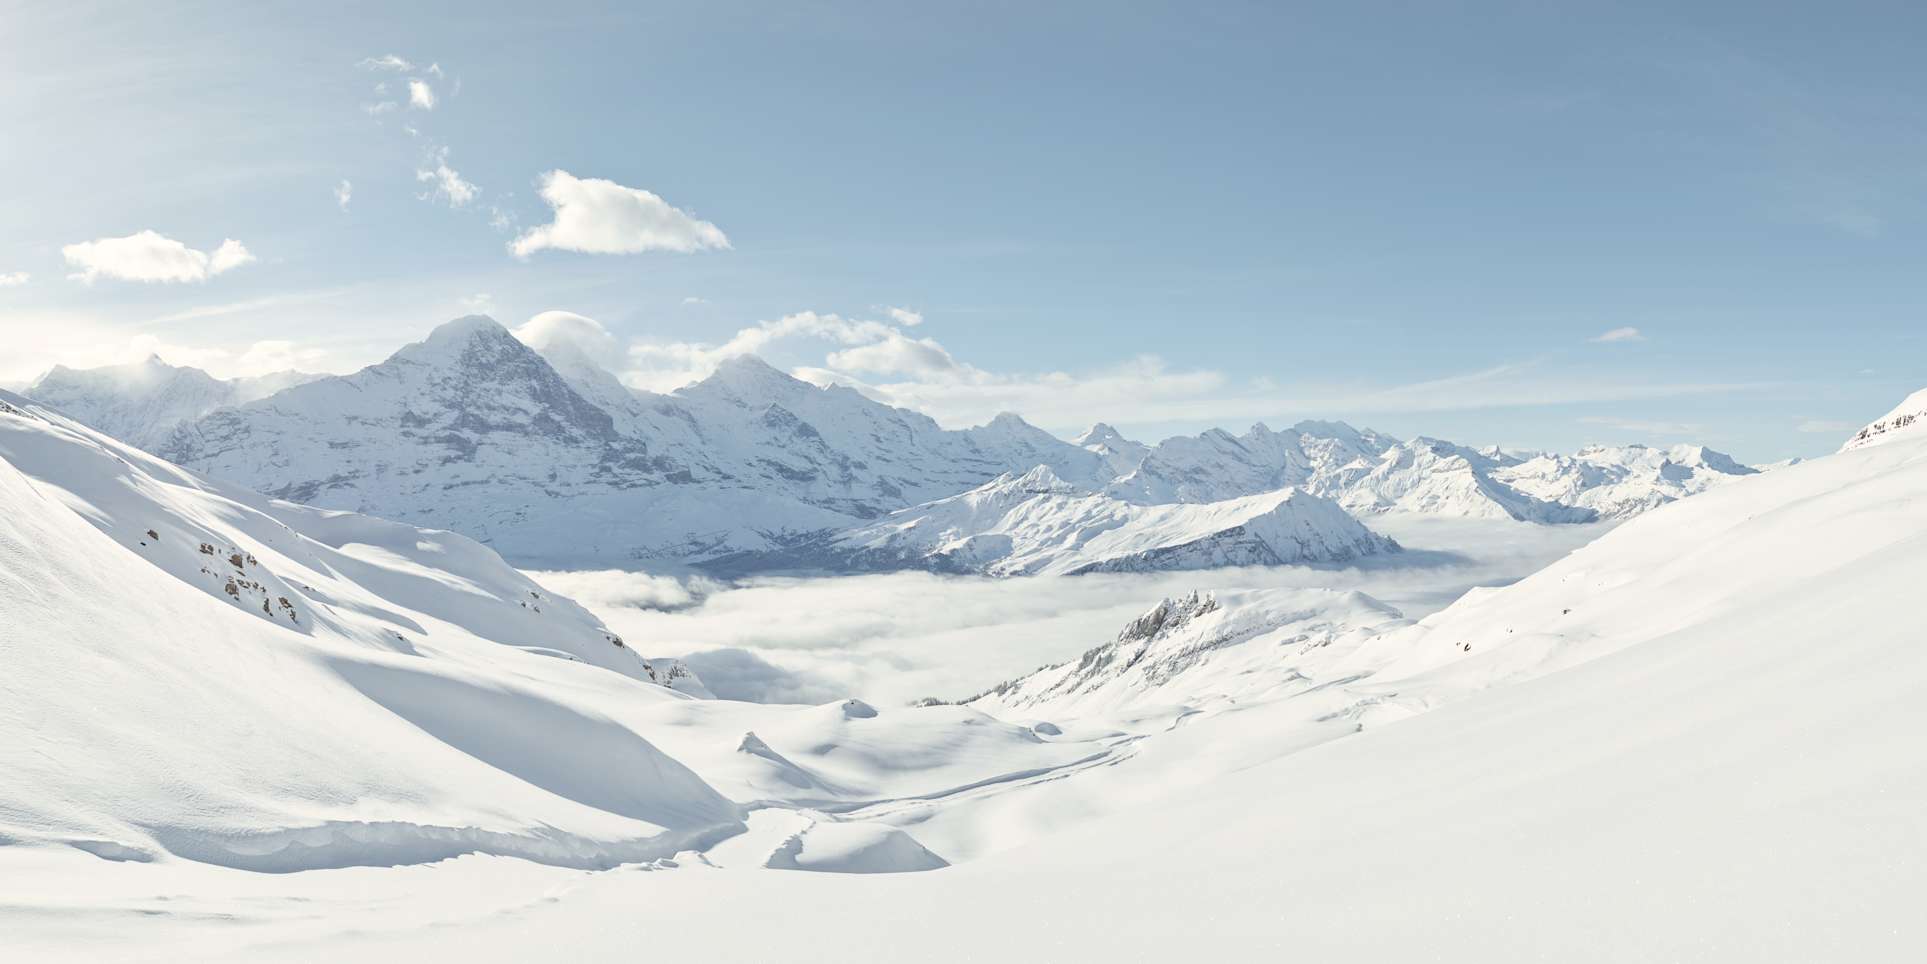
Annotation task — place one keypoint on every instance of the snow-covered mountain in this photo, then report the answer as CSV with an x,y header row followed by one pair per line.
x,y
547,457
472,430
143,402
1039,524
1907,418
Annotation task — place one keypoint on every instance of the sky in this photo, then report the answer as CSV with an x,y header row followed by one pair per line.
x,y
1534,224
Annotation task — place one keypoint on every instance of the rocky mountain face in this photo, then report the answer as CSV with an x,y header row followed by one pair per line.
x,y
142,403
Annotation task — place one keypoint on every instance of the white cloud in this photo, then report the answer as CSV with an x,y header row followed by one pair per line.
x,y
420,95
445,183
895,354
149,256
386,62
549,329
230,255
479,303
597,216
693,300
14,279
344,192
379,108
1619,334
904,316
660,367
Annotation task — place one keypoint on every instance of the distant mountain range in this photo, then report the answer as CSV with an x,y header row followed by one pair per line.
x,y
549,459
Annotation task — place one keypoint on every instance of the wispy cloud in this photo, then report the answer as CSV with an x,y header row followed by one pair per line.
x,y
1647,426
344,192
1823,426
151,257
904,316
445,183
14,279
597,216
1619,335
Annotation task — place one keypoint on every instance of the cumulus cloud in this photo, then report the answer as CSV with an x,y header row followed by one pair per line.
x,y
597,216
445,183
420,95
552,328
896,354
152,257
1619,334
904,316
344,192
14,279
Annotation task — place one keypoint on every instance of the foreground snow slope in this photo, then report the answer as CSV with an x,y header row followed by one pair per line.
x,y
194,670
1706,749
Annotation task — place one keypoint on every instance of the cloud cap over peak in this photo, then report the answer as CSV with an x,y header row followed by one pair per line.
x,y
598,216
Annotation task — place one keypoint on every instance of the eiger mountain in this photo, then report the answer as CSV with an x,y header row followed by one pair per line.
x,y
549,459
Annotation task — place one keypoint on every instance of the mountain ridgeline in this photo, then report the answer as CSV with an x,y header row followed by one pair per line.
x,y
550,460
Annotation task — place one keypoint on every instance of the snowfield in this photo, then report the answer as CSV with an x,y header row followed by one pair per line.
x,y
1692,739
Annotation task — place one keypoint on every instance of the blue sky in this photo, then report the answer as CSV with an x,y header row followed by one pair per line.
x,y
1419,216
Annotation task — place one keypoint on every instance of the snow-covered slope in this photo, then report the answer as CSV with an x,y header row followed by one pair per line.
x,y
1197,651
195,670
1217,465
549,459
1038,524
1906,419
143,402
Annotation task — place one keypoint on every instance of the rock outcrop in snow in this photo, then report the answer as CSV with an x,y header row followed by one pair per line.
x,y
1910,416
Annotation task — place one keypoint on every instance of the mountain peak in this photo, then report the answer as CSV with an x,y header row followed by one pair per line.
x,y
1100,434
452,339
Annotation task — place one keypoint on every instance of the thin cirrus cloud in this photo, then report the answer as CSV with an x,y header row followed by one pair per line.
x,y
344,192
149,256
598,216
1619,335
14,279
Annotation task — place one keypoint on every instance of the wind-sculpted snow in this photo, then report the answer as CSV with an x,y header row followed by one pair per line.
x,y
195,670
1039,524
